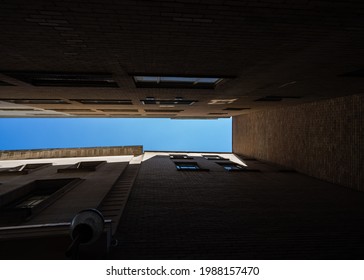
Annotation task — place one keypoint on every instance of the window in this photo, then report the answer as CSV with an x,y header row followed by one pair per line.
x,y
188,166
166,102
235,109
65,79
221,101
213,157
276,98
30,199
5,84
104,101
119,110
85,166
176,81
231,166
176,156
36,101
23,169
162,111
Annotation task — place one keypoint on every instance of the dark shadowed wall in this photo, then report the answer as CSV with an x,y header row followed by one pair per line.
x,y
323,139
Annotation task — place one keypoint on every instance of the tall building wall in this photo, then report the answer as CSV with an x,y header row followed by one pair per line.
x,y
323,139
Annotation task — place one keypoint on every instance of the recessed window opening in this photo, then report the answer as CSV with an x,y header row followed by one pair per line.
x,y
104,101
213,157
179,156
5,84
30,199
36,101
176,81
153,101
82,166
190,166
65,79
23,169
231,166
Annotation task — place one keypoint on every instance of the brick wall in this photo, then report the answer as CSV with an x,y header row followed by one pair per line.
x,y
323,139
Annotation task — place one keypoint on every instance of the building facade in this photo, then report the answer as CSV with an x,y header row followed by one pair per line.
x,y
176,205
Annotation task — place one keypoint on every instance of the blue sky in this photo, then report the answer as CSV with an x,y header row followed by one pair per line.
x,y
153,134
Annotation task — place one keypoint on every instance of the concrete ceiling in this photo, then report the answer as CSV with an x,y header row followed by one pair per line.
x,y
295,48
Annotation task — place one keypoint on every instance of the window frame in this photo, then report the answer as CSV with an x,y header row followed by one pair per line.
x,y
23,169
10,213
77,167
178,163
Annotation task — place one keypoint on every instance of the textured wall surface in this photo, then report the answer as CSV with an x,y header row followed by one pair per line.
x,y
217,214
323,139
71,152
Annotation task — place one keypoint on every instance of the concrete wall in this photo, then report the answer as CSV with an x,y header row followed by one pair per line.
x,y
323,139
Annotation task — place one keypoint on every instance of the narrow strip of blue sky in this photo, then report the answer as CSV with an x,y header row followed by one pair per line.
x,y
153,134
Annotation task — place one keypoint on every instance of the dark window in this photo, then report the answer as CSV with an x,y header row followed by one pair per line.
x,y
104,101
85,166
71,110
174,156
65,79
170,102
231,166
276,98
162,111
30,199
119,110
356,73
236,109
36,101
5,84
188,166
213,157
176,82
23,169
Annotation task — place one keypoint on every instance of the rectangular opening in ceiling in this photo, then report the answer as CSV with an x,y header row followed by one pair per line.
x,y
5,84
36,101
152,101
104,101
158,81
65,79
